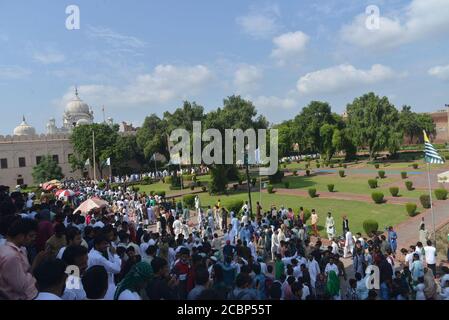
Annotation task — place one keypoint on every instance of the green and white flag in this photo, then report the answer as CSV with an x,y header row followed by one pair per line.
x,y
430,153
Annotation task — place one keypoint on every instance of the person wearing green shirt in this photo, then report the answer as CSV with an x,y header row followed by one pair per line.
x,y
279,267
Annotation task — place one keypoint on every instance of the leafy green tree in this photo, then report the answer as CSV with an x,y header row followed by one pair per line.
x,y
328,145
152,137
47,170
373,122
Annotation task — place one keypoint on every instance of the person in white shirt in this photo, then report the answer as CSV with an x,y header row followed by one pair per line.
x,y
50,279
349,244
112,264
177,227
430,253
135,281
73,238
330,226
331,266
274,244
314,270
334,246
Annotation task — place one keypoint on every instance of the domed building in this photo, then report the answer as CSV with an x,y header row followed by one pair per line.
x,y
77,112
24,129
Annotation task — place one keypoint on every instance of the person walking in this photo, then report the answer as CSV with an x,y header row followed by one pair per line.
x,y
330,226
314,221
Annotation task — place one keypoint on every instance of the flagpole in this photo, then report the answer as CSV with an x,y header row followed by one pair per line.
x,y
93,149
431,206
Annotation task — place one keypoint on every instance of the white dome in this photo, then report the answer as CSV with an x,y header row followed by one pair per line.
x,y
24,129
81,122
77,106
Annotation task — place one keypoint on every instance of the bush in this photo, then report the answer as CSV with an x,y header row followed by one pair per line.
x,y
152,193
240,181
135,189
376,166
253,182
330,187
331,165
270,188
372,183
187,177
441,194
404,175
394,191
378,197
409,185
318,165
371,227
295,173
286,184
235,186
345,166
198,183
285,166
189,200
307,166
411,209
341,173
235,206
192,186
425,201
415,166
307,215
204,188
381,174
308,173
101,185
160,193
277,177
312,192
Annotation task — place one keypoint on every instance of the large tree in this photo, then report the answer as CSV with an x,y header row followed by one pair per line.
x,y
106,138
152,137
373,123
47,170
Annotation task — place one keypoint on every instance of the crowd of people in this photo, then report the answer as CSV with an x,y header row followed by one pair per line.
x,y
143,247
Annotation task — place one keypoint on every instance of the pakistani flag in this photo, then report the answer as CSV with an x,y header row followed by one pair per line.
x,y
430,153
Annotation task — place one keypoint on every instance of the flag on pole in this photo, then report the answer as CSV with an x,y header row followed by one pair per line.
x,y
430,153
108,161
87,163
257,156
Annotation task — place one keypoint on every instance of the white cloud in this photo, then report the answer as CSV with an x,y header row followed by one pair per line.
x,y
246,77
260,22
166,83
421,19
440,72
273,102
115,39
49,57
13,72
289,45
342,77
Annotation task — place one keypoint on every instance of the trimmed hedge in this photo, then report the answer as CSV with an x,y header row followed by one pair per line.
x,y
235,206
308,173
341,173
330,187
404,175
425,201
409,185
415,166
286,184
204,188
378,197
189,200
101,185
441,194
270,188
307,166
312,192
376,166
318,165
372,183
394,191
370,226
381,174
411,209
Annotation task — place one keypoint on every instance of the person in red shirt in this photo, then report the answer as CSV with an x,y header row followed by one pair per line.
x,y
45,230
182,270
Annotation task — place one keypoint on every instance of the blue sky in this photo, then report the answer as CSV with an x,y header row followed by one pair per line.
x,y
142,57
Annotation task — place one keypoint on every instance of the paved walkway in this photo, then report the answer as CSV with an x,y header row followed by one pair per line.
x,y
343,196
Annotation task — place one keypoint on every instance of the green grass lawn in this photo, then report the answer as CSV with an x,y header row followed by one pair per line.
x,y
357,212
348,184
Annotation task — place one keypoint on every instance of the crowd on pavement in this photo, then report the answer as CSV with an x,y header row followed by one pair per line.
x,y
143,247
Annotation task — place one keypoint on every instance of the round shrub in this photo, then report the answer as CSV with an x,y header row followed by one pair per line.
x,y
394,191
411,209
270,188
378,197
187,177
341,173
318,165
409,185
331,166
372,183
295,173
381,174
147,180
235,206
371,227
152,193
404,175
425,201
441,194
345,166
286,184
376,166
285,166
189,200
135,189
308,173
312,192
204,188
330,187
415,166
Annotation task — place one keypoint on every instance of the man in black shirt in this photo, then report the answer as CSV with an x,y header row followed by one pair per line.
x,y
162,287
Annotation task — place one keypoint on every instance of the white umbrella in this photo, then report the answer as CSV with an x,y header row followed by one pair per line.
x,y
91,204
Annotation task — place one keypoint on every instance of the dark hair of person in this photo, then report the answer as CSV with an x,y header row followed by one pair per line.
x,y
49,274
242,279
71,233
22,226
158,264
95,282
151,250
201,276
100,239
72,252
